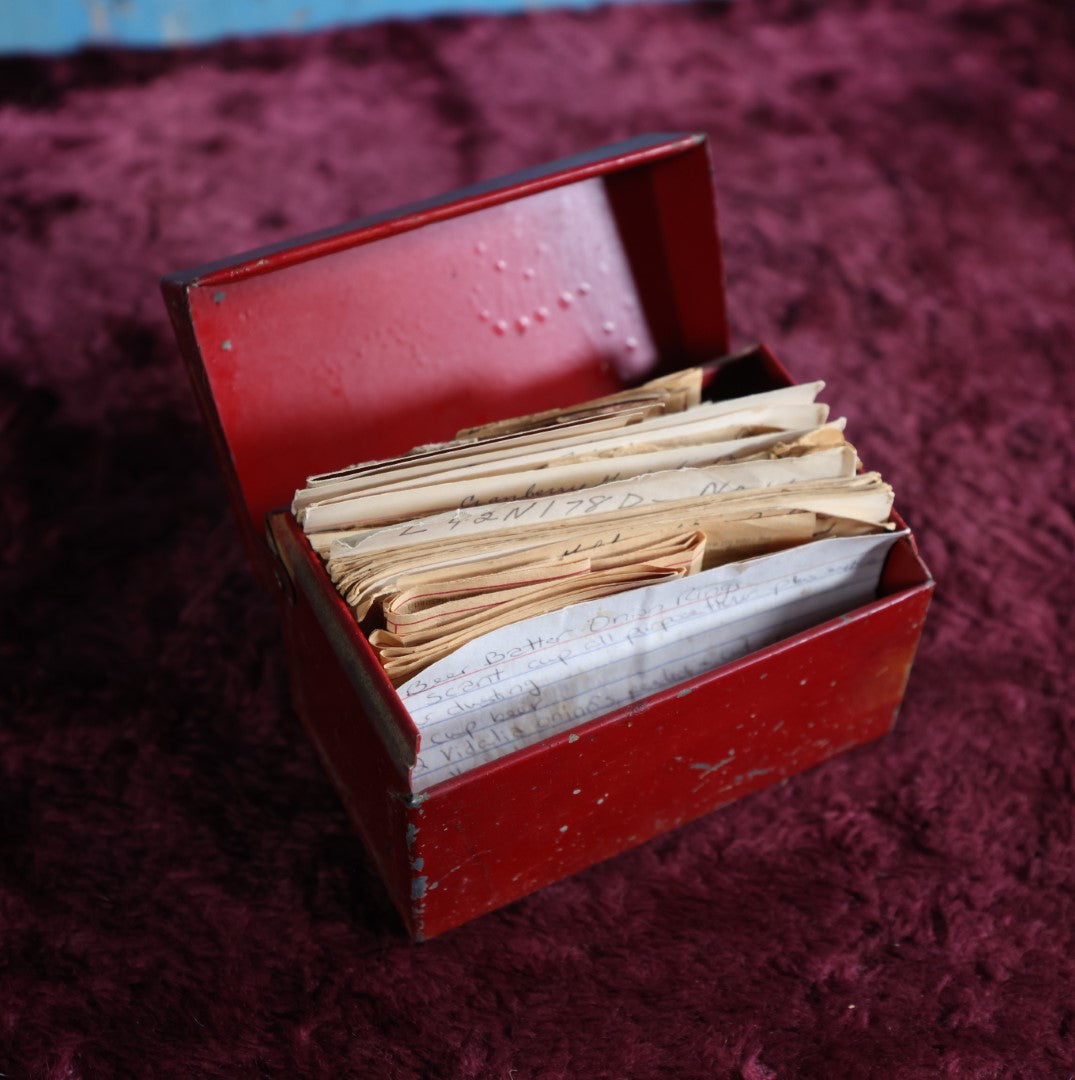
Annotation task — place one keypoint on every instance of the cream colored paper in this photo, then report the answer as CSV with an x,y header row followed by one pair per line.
x,y
597,461
619,496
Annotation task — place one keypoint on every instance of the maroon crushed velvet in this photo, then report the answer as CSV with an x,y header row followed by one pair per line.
x,y
180,892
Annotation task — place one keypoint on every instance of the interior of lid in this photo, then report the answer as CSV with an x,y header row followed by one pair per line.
x,y
540,299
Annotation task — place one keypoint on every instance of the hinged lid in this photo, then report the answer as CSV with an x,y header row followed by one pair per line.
x,y
520,294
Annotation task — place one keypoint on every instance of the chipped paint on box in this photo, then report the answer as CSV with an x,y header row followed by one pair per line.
x,y
707,768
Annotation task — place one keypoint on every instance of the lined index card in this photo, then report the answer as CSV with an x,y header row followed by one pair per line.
x,y
521,683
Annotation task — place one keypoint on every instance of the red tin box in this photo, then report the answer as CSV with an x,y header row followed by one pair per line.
x,y
525,293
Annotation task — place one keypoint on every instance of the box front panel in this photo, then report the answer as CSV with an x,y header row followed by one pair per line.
x,y
532,818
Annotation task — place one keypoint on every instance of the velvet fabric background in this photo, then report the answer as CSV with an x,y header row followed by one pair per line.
x,y
180,892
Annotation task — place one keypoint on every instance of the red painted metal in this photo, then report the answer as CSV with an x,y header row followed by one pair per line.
x,y
529,292
518,295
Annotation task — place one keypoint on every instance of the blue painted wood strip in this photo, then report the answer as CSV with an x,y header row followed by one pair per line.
x,y
48,26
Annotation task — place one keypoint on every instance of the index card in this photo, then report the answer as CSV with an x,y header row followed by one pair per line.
x,y
675,392
430,462
598,461
659,486
524,682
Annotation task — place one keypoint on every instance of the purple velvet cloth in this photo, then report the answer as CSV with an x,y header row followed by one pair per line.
x,y
180,892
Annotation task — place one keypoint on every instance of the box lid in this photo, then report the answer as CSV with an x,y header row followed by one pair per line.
x,y
522,293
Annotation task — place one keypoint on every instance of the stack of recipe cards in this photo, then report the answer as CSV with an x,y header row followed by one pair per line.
x,y
538,572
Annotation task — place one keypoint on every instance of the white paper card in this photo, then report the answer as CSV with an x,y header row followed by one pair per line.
x,y
517,685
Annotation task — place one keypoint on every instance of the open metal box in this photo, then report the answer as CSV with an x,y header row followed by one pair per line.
x,y
525,293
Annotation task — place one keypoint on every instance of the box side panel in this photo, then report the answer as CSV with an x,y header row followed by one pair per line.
x,y
531,819
685,206
177,303
351,750
667,219
308,592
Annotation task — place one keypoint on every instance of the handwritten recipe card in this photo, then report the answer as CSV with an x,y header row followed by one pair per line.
x,y
514,686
